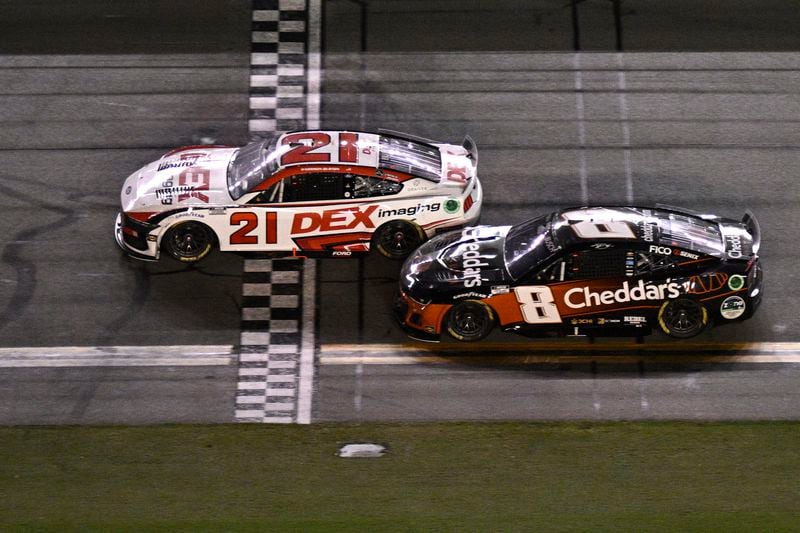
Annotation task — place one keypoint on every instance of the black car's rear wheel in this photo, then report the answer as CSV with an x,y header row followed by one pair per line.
x,y
397,238
682,318
470,320
188,242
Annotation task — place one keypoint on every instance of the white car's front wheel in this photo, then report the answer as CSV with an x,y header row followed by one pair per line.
x,y
397,238
188,242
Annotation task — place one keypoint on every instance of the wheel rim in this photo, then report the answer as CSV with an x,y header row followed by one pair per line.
x,y
399,238
469,321
189,240
683,317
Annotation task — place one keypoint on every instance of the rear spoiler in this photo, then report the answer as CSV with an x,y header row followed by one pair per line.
x,y
750,222
470,146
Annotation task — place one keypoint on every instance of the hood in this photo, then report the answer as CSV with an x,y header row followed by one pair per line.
x,y
461,263
181,178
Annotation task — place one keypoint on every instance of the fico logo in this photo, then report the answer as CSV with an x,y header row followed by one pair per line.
x,y
333,219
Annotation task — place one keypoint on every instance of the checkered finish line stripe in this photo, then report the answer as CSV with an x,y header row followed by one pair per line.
x,y
284,66
276,359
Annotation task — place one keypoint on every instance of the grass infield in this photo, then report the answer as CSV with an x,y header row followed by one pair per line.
x,y
654,476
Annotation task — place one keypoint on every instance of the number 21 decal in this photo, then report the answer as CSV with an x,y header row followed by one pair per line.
x,y
309,144
537,305
249,223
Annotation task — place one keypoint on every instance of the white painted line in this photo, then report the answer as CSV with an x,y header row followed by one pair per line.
x,y
264,58
291,48
313,62
282,364
290,91
263,102
284,301
286,393
626,132
261,124
566,346
256,313
256,289
279,406
258,265
265,15
257,338
306,376
580,112
255,414
285,276
253,358
277,419
116,356
292,5
251,385
290,70
246,400
263,80
275,349
292,26
280,378
558,359
258,371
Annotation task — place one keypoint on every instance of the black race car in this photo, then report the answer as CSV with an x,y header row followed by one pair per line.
x,y
584,271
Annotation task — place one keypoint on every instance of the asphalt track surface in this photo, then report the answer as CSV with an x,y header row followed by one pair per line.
x,y
715,132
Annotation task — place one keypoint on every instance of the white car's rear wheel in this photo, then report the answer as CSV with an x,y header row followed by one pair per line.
x,y
188,242
397,238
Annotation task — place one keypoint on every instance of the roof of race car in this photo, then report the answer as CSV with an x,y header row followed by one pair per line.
x,y
655,226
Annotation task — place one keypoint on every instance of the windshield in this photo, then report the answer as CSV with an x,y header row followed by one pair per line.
x,y
529,244
251,164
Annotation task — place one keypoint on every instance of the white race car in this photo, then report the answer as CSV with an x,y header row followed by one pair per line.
x,y
315,193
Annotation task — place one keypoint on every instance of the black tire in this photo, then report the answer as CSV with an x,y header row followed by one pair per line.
x,y
470,320
397,238
188,242
682,318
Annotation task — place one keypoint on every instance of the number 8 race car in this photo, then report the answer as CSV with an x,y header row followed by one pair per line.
x,y
584,271
328,193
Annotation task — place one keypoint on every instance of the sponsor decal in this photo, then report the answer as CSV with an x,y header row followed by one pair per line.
x,y
549,244
736,282
734,246
666,250
128,189
192,214
190,184
333,219
500,289
186,160
581,321
217,211
472,263
451,206
341,253
634,319
608,321
413,210
581,297
732,307
601,246
648,229
469,295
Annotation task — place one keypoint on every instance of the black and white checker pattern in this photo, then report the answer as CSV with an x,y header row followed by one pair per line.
x,y
271,367
280,78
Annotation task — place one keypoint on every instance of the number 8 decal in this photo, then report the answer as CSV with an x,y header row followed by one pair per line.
x,y
537,305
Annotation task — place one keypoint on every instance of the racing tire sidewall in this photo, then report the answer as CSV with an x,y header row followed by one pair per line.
x,y
475,315
201,232
666,317
413,235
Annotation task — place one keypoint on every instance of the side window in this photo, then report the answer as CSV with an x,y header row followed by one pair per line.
x,y
651,262
368,186
598,261
273,195
313,187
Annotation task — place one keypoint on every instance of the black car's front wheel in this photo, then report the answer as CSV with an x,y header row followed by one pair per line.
x,y
682,318
188,242
397,238
470,320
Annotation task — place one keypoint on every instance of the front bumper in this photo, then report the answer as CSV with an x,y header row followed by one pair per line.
x,y
418,321
134,241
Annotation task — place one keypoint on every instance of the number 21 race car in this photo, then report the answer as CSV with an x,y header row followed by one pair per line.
x,y
320,193
584,271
